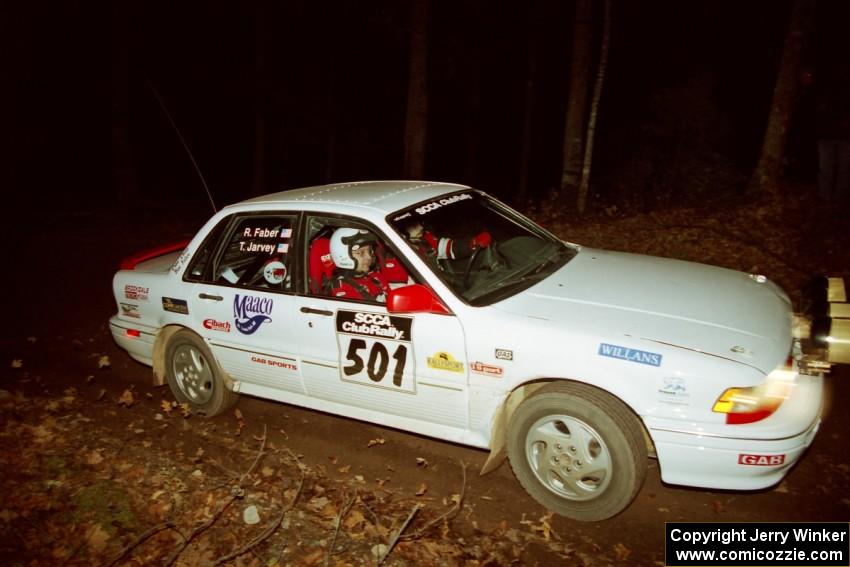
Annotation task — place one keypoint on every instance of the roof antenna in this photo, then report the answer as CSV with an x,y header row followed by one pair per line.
x,y
182,140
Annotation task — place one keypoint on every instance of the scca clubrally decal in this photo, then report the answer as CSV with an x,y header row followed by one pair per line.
x,y
376,325
375,350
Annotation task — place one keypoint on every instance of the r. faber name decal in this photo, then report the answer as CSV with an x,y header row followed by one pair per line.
x,y
630,354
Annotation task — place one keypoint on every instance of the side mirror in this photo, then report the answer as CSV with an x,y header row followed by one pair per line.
x,y
415,298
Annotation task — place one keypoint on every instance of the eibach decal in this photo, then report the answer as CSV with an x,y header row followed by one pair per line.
x,y
213,325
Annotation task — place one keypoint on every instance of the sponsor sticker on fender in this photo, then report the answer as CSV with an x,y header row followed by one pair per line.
x,y
486,369
136,292
504,354
761,460
213,325
444,361
630,354
130,310
175,305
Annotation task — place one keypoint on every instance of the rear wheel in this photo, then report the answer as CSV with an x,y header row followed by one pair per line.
x,y
578,451
195,377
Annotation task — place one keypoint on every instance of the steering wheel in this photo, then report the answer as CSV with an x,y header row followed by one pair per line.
x,y
469,263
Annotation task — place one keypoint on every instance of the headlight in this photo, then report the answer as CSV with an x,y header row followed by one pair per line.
x,y
748,405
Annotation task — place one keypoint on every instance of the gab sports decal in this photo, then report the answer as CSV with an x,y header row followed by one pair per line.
x,y
375,350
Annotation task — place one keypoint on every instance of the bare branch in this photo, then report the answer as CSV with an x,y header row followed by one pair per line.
x,y
397,535
448,514
267,532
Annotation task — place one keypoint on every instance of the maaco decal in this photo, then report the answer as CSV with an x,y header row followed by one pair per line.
x,y
250,312
630,354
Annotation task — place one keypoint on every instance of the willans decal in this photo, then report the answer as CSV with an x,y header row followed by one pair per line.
x,y
250,312
630,354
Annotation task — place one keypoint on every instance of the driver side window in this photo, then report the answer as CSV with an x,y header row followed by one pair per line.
x,y
257,254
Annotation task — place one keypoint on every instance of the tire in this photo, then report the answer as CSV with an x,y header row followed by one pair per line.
x,y
577,451
195,377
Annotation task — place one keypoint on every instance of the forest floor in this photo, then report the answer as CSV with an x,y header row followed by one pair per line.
x,y
102,468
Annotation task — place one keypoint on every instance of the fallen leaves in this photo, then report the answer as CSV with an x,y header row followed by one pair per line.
x,y
423,488
103,362
17,363
96,538
127,399
373,442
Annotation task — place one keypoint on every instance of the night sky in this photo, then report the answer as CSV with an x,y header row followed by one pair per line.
x,y
688,83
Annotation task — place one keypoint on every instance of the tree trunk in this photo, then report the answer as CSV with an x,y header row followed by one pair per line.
x,y
594,109
123,163
769,168
416,124
258,185
577,103
528,110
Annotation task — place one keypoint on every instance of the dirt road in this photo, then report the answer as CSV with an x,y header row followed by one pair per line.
x,y
57,302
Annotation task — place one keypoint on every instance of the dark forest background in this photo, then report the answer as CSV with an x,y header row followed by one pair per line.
x,y
276,95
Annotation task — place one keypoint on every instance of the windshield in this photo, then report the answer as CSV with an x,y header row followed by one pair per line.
x,y
483,250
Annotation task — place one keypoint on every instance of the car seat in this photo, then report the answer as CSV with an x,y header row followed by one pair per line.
x,y
320,265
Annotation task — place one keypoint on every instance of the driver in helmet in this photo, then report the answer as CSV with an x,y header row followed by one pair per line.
x,y
355,275
430,246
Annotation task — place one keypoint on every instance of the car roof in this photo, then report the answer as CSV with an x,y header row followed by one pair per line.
x,y
380,196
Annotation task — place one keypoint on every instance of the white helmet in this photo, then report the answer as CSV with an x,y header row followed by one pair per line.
x,y
346,240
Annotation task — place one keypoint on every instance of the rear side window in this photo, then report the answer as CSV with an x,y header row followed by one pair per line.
x,y
255,254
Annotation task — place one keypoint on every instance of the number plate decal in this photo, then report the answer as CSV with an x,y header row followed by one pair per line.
x,y
375,350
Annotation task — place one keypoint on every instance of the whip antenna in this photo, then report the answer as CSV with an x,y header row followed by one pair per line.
x,y
182,140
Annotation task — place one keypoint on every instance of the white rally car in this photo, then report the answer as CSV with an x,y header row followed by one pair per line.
x,y
575,363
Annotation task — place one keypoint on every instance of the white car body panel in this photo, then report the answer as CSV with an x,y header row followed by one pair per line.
x,y
582,323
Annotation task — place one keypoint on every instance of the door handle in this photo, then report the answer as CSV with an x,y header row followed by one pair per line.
x,y
324,312
208,296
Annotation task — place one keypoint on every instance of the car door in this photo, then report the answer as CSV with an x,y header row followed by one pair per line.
x,y
399,367
242,301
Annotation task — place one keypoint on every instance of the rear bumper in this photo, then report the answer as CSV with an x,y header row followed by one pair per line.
x,y
138,347
756,457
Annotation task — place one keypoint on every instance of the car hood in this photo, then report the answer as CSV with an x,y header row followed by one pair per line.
x,y
683,304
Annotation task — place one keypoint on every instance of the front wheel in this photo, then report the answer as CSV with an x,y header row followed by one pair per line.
x,y
195,377
577,451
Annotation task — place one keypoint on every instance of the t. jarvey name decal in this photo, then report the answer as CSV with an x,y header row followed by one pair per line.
x,y
630,354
